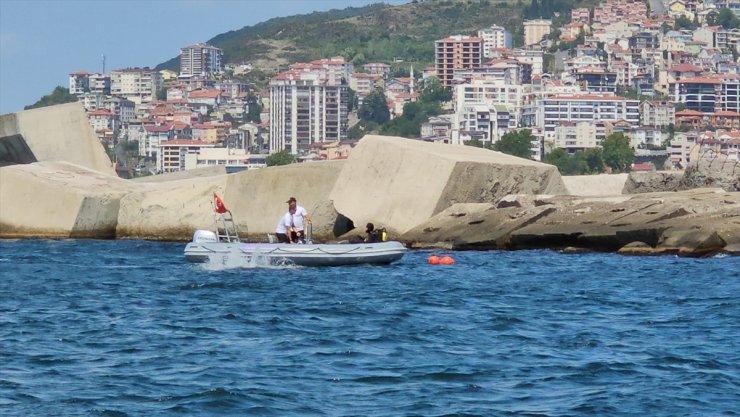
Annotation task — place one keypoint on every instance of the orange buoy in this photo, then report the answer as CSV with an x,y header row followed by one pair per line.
x,y
433,260
446,260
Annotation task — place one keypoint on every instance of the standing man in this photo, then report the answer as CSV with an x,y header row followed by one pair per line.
x,y
300,218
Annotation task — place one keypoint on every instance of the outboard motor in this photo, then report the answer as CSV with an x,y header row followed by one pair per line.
x,y
205,236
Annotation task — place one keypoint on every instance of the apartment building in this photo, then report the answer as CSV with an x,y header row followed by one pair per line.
x,y
490,92
376,68
172,153
536,30
709,94
79,82
363,84
586,108
307,105
494,37
200,60
457,52
139,85
580,14
234,159
657,113
336,70
99,83
575,136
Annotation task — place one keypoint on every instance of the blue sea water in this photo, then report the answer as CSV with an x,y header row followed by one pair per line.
x,y
127,328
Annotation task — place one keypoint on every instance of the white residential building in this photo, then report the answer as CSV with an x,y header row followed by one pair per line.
x,y
79,82
139,85
229,157
494,37
306,106
490,92
574,136
172,154
585,108
200,60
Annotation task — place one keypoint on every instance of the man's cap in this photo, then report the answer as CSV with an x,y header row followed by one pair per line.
x,y
291,200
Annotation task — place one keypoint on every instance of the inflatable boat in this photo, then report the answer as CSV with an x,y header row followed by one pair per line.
x,y
223,245
206,247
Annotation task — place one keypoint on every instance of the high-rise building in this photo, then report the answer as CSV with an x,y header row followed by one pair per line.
x,y
307,105
535,30
457,52
200,60
494,37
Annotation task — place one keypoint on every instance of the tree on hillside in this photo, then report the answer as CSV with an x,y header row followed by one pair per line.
x,y
60,95
280,158
517,143
558,157
162,94
617,152
374,108
594,159
683,22
433,90
351,99
727,19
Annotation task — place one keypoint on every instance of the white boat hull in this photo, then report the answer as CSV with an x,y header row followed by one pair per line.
x,y
297,254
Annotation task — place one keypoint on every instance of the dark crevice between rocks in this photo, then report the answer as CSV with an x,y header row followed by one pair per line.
x,y
14,150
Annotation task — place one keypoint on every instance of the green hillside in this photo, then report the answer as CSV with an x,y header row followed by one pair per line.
x,y
373,33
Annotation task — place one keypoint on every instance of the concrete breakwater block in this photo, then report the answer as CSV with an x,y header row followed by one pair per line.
x,y
54,133
400,183
595,185
59,199
170,210
258,197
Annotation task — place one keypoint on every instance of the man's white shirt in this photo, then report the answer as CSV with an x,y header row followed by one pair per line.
x,y
285,223
299,218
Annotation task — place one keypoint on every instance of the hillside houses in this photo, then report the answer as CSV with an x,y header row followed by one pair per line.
x,y
612,68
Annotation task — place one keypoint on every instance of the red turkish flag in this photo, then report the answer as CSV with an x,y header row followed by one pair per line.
x,y
220,207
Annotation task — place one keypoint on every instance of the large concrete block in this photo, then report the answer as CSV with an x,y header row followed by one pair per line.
x,y
173,210
58,199
54,133
595,185
400,183
170,210
258,197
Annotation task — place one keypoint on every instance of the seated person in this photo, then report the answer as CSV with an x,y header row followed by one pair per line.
x,y
373,235
284,228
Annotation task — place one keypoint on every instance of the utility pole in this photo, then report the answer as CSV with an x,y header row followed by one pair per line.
x,y
103,56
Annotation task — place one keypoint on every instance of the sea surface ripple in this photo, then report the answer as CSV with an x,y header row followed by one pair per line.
x,y
127,328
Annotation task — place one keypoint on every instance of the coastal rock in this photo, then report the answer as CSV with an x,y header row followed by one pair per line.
x,y
652,182
716,171
644,217
473,226
401,183
54,133
637,248
690,242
